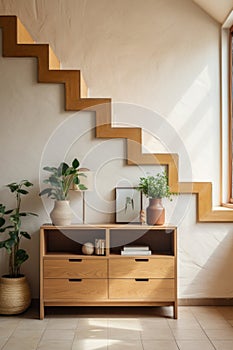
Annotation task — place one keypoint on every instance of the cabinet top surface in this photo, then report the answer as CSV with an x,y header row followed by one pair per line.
x,y
108,226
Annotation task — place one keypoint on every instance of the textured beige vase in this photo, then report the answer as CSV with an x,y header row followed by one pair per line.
x,y
61,215
15,295
155,212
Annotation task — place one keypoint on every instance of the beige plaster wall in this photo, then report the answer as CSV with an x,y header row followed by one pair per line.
x,y
159,61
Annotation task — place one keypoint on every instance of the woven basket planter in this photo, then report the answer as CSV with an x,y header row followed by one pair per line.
x,y
15,296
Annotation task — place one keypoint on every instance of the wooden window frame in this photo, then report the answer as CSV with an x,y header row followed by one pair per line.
x,y
230,121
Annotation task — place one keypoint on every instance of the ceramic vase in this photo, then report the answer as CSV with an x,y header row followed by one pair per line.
x,y
155,212
15,295
61,215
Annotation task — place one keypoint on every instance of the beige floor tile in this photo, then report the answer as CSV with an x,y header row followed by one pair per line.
x,y
185,312
32,324
227,312
4,332
118,333
57,323
157,334
146,323
55,345
92,322
159,345
231,322
91,333
23,340
57,334
223,344
195,345
125,324
220,334
125,344
3,341
184,324
90,344
214,324
205,313
189,334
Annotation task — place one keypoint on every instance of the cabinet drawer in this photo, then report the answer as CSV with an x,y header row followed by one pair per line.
x,y
141,268
144,290
75,268
75,289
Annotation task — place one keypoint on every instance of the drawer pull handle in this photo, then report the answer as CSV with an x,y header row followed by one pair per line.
x,y
75,260
75,280
143,260
142,279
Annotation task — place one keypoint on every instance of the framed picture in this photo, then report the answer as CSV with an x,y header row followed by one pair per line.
x,y
128,205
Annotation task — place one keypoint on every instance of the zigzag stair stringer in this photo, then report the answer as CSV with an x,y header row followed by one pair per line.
x,y
17,42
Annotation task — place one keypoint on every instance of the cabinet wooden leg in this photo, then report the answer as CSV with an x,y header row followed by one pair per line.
x,y
41,310
175,310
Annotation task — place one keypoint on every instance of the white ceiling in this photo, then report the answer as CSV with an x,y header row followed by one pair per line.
x,y
218,9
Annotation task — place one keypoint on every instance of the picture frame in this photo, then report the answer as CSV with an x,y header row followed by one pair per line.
x,y
128,205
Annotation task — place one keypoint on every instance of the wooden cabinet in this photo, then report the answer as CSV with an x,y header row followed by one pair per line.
x,y
70,278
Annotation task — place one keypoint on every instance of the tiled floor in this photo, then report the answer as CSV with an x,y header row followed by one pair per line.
x,y
198,328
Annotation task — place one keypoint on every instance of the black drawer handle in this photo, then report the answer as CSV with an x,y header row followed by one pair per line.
x,y
75,260
142,279
75,280
143,260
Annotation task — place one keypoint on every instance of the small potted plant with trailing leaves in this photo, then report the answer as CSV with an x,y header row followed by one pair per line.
x,y
60,181
14,289
155,188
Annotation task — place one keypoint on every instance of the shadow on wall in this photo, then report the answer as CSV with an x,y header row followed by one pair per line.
x,y
213,278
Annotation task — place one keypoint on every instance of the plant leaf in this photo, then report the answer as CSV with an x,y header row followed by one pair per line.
x,y
25,234
75,163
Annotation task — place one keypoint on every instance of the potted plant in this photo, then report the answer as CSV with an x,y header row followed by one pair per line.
x,y
155,188
60,180
14,289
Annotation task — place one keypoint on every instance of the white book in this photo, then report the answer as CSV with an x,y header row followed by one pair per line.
x,y
136,252
136,247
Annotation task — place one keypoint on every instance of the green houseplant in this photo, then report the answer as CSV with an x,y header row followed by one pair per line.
x,y
11,229
155,188
60,181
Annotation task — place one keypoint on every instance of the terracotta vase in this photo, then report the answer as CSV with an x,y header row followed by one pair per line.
x,y
15,295
61,215
155,212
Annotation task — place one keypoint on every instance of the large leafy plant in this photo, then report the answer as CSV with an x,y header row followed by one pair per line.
x,y
155,186
10,223
61,179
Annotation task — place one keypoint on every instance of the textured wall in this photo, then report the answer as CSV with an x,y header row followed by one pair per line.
x,y
162,75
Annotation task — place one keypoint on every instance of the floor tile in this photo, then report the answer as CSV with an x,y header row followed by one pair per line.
x,y
133,324
55,345
184,324
90,344
159,345
118,333
223,344
3,341
206,313
214,324
227,312
32,324
92,322
157,334
61,323
124,344
23,340
91,333
220,334
195,345
57,334
189,334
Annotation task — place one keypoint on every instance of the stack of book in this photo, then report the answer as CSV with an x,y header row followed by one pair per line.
x,y
136,250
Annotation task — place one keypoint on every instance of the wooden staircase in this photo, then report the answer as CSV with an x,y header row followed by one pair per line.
x,y
17,42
